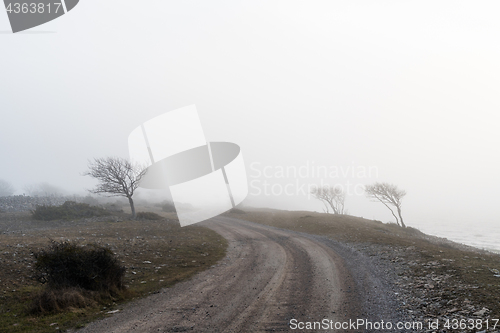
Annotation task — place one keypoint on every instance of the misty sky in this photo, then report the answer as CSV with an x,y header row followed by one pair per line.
x,y
410,89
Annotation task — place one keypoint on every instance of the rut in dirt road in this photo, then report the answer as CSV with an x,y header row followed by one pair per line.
x,y
268,277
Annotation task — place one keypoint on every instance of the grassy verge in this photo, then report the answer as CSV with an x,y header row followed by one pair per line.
x,y
156,254
445,278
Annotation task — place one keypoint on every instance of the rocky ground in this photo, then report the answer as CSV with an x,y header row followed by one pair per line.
x,y
432,295
156,254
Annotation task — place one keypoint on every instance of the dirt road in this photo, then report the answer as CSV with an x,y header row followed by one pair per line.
x,y
268,278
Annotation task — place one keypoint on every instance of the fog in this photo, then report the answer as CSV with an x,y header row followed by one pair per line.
x,y
401,92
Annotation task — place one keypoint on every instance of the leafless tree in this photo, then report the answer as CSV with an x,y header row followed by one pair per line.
x,y
332,197
6,188
389,195
117,177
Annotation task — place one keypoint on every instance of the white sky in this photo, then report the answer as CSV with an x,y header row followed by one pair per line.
x,y
409,87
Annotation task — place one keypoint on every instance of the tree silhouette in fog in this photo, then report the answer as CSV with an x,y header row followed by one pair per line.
x,y
332,197
117,177
388,194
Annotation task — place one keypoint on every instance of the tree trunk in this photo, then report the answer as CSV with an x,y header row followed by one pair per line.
x,y
401,218
131,202
334,209
341,208
397,221
327,210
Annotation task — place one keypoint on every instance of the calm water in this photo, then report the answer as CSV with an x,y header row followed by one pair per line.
x,y
482,237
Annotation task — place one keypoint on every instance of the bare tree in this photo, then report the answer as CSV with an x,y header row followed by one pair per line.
x,y
388,194
6,188
117,177
332,197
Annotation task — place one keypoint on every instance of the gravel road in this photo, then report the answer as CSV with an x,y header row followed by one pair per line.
x,y
269,277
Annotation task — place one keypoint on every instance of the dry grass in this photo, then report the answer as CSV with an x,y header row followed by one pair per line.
x,y
156,254
467,272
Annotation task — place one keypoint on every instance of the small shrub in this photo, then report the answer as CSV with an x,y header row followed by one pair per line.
x,y
148,216
66,264
68,210
168,207
89,200
114,208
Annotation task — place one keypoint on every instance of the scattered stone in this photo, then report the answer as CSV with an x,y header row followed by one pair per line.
x,y
481,312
